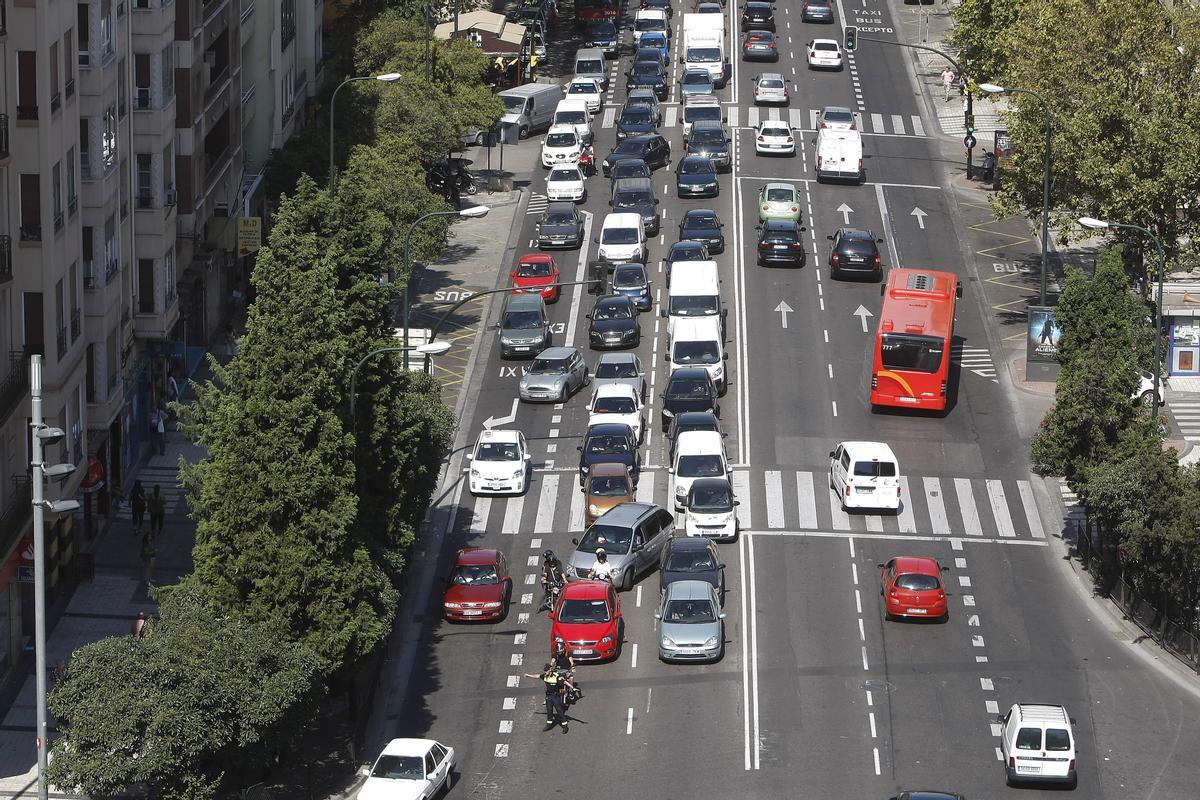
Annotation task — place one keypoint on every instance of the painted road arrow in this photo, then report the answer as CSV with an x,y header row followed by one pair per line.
x,y
862,314
491,422
784,309
920,215
845,211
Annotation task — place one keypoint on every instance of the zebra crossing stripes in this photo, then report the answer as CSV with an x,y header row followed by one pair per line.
x,y
966,502
807,498
795,118
671,118
937,507
741,488
512,515
544,523
841,520
976,359
575,523
609,118
1029,505
877,124
645,487
731,118
537,203
773,484
871,124
479,516
1187,416
752,117
1004,526
907,521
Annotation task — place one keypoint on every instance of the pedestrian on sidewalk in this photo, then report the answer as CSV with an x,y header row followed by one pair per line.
x,y
158,511
148,554
948,81
158,430
138,630
137,505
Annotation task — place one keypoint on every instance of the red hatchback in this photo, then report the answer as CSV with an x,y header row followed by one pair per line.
x,y
912,587
587,619
536,272
478,588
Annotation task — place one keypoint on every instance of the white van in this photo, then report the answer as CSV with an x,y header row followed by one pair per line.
x,y
647,20
697,342
530,108
698,107
574,111
698,454
589,63
865,475
840,155
694,291
1037,744
622,239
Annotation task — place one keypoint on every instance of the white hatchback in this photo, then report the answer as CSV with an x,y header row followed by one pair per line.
x,y
698,454
561,146
565,183
824,54
499,463
770,87
409,768
865,475
588,90
617,402
774,137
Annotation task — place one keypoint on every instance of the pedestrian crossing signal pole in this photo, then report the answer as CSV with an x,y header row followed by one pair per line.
x,y
849,38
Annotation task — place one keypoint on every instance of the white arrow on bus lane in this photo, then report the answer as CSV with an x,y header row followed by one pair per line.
x,y
845,211
920,215
784,309
862,314
492,422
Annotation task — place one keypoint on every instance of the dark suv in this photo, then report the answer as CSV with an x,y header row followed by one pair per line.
x,y
648,75
758,16
688,389
636,195
652,148
780,242
709,139
855,252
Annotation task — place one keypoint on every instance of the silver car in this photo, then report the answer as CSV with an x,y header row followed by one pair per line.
x,y
556,374
632,536
621,368
770,87
690,623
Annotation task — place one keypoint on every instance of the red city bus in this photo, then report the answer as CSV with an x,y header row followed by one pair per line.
x,y
597,10
912,343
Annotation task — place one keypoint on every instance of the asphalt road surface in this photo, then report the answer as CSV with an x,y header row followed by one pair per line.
x,y
817,696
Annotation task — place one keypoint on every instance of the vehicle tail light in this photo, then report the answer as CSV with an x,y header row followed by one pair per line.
x,y
1071,766
835,258
771,45
1012,762
943,388
761,139
877,261
766,208
819,160
897,495
849,489
860,165
795,209
789,140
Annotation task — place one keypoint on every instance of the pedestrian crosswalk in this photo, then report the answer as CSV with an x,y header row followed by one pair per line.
x,y
797,118
785,500
975,359
537,203
1187,416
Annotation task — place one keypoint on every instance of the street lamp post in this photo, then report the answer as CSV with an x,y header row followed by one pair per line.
x,y
1100,225
427,349
470,213
387,77
992,88
43,435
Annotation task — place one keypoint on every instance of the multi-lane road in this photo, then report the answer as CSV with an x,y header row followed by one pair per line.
x,y
817,696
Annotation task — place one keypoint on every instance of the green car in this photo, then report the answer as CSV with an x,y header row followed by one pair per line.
x,y
778,201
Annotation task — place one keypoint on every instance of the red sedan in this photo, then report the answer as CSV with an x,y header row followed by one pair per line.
x,y
479,587
912,587
587,619
536,272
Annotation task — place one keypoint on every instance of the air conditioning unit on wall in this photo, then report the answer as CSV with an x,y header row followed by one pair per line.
x,y
220,209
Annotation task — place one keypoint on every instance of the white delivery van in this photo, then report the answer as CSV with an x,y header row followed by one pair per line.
x,y
700,108
622,239
574,111
839,155
1037,744
649,20
694,291
697,342
589,63
530,108
865,475
704,45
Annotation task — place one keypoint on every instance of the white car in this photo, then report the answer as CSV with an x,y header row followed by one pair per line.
x,y
617,402
565,183
824,54
774,137
561,146
587,89
710,509
770,87
837,118
499,463
698,454
410,769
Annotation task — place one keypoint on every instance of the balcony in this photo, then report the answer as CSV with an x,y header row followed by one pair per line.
x,y
72,203
157,314
27,112
4,151
15,385
89,275
31,232
63,341
69,89
55,101
145,199
141,98
16,511
214,166
6,269
217,84
76,324
111,270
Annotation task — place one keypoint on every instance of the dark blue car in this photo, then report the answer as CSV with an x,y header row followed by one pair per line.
x,y
658,41
703,225
629,280
602,34
636,119
648,75
608,442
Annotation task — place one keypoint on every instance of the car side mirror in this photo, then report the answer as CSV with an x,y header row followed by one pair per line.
x,y
830,237
721,615
549,615
945,568
831,454
958,290
496,326
579,447
879,241
610,203
470,456
725,356
528,457
670,470
596,240
365,771
879,565
737,502
587,316
882,289
803,229
656,201
657,615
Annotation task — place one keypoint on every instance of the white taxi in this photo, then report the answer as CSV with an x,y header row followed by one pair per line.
x,y
588,90
617,402
499,463
565,183
561,146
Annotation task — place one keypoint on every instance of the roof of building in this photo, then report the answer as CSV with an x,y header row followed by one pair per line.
x,y
483,21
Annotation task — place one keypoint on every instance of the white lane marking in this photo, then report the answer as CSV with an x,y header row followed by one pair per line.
x,y
886,218
544,523
875,750
638,599
835,408
862,632
743,551
530,579
999,503
741,490
629,721
871,716
906,520
556,419
841,520
956,544
918,127
877,124
906,537
1031,510
807,498
532,561
633,661
937,508
512,515
854,572
857,600
773,484
991,706
960,563
580,274
513,681
645,487
754,652
969,599
505,726
501,751
977,641
852,548
964,581
874,522
999,755
509,703
519,639
671,118
527,599
864,657
535,543
576,521
996,728
985,684
516,660
649,693
966,505
479,516
523,618
795,119
610,115
898,124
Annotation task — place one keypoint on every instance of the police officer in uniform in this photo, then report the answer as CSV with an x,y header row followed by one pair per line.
x,y
555,683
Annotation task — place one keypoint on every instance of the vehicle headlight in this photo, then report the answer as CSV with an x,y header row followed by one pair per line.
x,y
492,604
453,605
475,473
719,371
606,640
668,412
668,641
593,508
519,472
711,641
681,491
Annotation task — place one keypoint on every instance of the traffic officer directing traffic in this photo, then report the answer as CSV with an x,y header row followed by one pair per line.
x,y
555,682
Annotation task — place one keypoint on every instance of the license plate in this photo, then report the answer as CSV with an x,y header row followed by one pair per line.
x,y
587,652
917,611
907,399
690,651
1032,770
520,348
472,613
864,488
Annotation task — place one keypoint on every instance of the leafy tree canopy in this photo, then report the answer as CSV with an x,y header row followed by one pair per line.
x,y
978,33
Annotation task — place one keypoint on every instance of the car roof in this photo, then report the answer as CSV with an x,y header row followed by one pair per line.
x,y
825,41
686,543
407,747
697,418
777,76
708,125
562,128
689,590
628,513
637,105
586,80
774,124
781,225
608,469
561,208
616,358
697,71
536,258
688,373
614,390
701,100
700,212
758,5
632,183
688,244
921,565
776,185
714,483
586,590
613,300
835,110
1042,712
622,219
641,92
858,234
758,34
693,157
609,429
523,302
499,436
690,329
558,352
478,555
869,451
698,442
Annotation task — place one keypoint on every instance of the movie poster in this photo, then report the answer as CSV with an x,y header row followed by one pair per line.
x,y
1041,341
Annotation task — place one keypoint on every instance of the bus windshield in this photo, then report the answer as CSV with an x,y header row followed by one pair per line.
x,y
911,352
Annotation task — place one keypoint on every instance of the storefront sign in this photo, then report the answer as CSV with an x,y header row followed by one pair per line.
x,y
249,235
1041,340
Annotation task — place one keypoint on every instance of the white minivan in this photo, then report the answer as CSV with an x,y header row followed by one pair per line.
x,y
1037,744
694,291
865,475
697,342
839,155
622,239
698,454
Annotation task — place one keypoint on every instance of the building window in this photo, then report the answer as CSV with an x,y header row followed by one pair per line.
x,y
72,191
108,144
168,177
84,23
122,92
112,249
27,85
141,81
31,207
69,57
168,73
319,45
287,23
87,245
60,317
106,27
56,193
73,288
145,194
288,95
85,148
124,188
55,95
145,284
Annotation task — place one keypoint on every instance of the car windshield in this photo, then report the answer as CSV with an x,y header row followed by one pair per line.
x,y
638,114
613,311
650,24
697,113
694,352
701,220
616,369
704,55
631,198
548,366
875,469
703,465
474,574
780,195
711,499
628,278
696,79
647,68
707,137
694,305
609,538
614,405
619,236
632,147
630,168
534,269
779,237
513,105
560,218
570,174
584,611
609,486
607,445
775,130
838,116
690,561
562,139
654,39
522,320
399,768
583,88
498,451
689,612
603,28
917,582
588,67
687,388
687,251
911,352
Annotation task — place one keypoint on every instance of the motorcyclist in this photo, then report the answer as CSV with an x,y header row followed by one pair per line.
x,y
552,579
604,569
587,159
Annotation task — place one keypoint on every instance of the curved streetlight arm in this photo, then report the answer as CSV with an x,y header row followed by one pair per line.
x,y
387,77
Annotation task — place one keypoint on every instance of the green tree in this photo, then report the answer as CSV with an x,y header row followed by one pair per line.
x,y
1164,557
201,696
978,33
1122,91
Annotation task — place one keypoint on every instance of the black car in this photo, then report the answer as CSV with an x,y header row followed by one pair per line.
x,y
686,558
651,54
648,75
696,177
608,442
855,252
758,16
636,120
780,242
561,225
645,97
760,46
602,34
661,5
703,225
709,139
688,389
649,147
817,11
690,421
629,168
636,196
686,250
614,323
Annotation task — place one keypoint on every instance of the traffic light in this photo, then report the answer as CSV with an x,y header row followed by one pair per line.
x,y
850,38
970,123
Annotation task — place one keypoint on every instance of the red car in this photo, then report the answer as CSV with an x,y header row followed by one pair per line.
x,y
536,271
479,587
912,587
588,620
